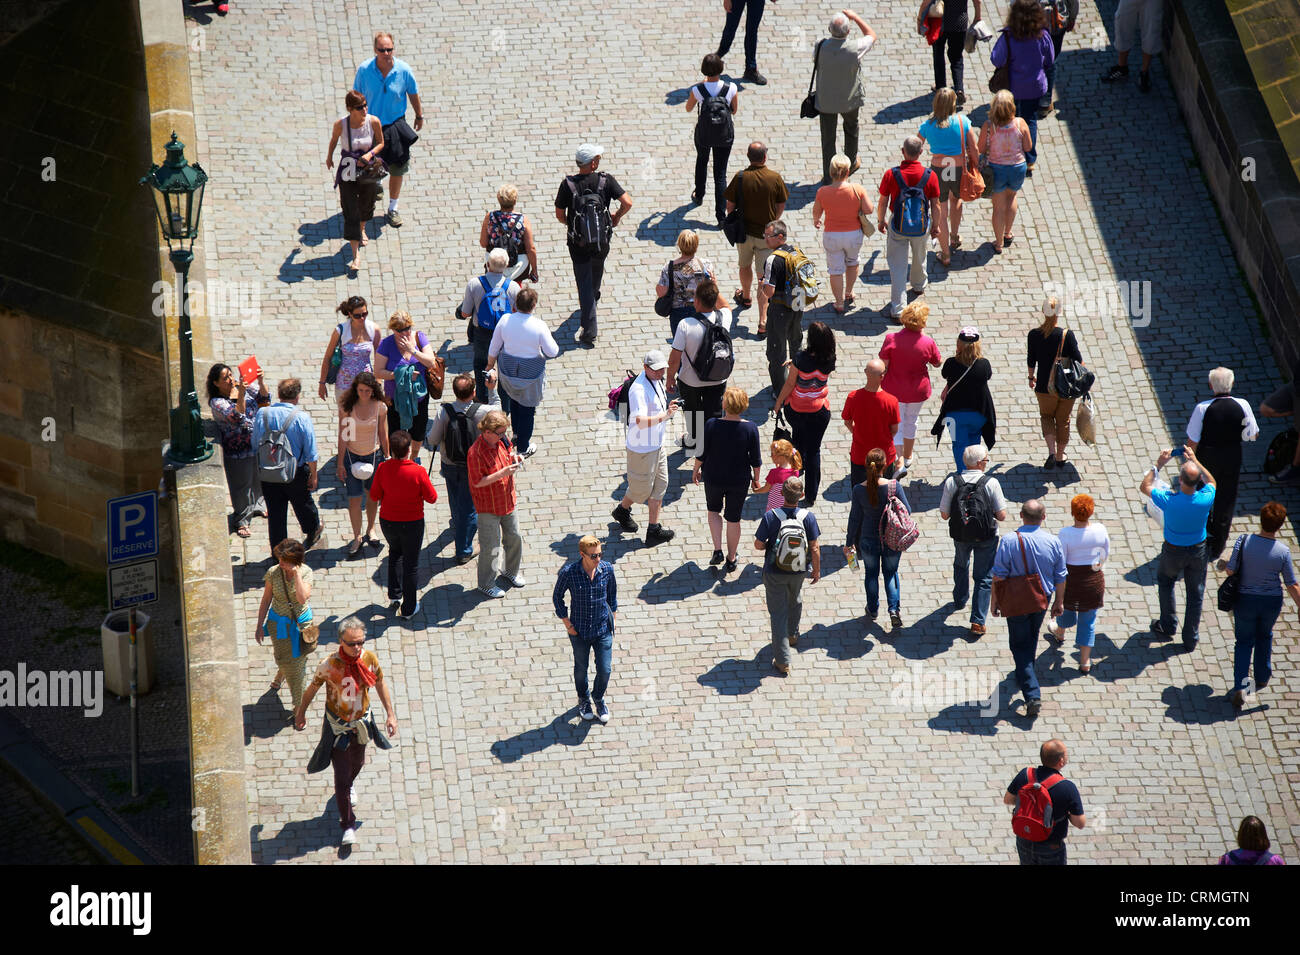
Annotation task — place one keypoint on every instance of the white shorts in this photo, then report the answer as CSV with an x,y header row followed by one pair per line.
x,y
842,250
1133,16
908,412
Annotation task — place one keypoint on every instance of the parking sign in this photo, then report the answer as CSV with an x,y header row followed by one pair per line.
x,y
133,527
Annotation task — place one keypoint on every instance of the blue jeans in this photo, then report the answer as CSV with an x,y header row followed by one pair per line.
x,y
751,29
1022,633
1050,71
1027,109
984,552
1189,563
521,419
878,560
1252,623
464,519
966,430
602,644
1087,621
1040,853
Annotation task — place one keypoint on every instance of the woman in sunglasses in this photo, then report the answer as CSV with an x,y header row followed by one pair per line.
x,y
351,348
363,140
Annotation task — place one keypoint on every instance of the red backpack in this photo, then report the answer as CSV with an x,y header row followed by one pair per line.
x,y
1032,819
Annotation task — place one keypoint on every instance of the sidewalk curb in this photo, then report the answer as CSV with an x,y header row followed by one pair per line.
x,y
35,770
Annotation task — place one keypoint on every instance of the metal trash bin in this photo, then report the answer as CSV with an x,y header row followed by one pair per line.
x,y
115,637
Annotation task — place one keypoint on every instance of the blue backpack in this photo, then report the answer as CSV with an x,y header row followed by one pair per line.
x,y
911,209
495,305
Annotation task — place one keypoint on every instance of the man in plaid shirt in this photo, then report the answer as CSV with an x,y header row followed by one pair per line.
x,y
492,466
590,621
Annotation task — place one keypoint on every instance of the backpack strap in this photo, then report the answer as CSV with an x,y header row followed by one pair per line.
x,y
487,286
1051,780
984,479
1029,776
703,94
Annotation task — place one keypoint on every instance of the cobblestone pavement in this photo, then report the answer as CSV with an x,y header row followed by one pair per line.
x,y
32,835
710,756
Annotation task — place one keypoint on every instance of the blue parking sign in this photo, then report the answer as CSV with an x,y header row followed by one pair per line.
x,y
133,527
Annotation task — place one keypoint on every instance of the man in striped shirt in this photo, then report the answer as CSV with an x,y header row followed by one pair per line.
x,y
593,589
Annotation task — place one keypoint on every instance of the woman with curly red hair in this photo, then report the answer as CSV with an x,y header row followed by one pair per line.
x,y
1086,546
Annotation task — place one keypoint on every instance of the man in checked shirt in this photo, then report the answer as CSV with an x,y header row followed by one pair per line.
x,y
594,590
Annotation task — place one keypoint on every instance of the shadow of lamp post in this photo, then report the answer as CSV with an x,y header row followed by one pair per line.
x,y
178,197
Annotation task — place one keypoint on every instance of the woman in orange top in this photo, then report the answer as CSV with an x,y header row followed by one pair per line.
x,y
841,202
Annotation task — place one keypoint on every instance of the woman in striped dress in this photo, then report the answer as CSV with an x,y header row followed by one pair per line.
x,y
521,343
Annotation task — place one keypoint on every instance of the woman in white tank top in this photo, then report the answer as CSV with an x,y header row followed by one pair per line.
x,y
363,140
361,442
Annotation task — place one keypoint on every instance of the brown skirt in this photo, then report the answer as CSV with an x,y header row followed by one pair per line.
x,y
1084,587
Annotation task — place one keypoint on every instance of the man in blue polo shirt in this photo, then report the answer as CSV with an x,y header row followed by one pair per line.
x,y
386,82
1186,509
1043,552
1067,806
286,415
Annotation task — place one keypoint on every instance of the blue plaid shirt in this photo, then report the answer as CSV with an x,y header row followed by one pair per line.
x,y
595,600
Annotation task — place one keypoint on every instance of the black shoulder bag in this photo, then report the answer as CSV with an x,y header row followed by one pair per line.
x,y
1230,589
808,108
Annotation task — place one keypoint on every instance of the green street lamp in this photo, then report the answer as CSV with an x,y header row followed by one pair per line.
x,y
178,197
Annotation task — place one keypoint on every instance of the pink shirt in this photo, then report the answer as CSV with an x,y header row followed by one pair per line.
x,y
909,354
776,477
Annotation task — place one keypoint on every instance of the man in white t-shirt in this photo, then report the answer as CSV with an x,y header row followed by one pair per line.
x,y
964,517
648,409
701,400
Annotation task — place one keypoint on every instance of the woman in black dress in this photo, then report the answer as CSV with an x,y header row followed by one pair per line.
x,y
967,408
1215,433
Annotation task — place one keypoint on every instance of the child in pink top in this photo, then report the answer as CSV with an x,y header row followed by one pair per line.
x,y
787,463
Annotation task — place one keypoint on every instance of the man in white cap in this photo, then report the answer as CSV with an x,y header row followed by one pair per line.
x,y
582,204
647,454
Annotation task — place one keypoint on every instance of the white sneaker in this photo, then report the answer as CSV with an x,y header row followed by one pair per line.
x,y
516,581
349,837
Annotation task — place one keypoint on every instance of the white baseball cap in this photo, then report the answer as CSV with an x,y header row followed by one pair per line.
x,y
654,360
587,152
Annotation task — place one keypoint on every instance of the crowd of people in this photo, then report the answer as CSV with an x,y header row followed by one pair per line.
x,y
485,434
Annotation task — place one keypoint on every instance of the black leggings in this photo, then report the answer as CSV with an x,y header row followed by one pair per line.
x,y
956,42
807,428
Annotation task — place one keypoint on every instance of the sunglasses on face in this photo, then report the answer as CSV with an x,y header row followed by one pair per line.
x,y
360,313
357,643
383,49
594,555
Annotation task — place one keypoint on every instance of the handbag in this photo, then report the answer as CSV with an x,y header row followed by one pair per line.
x,y
309,632
1230,589
972,183
781,430
986,171
373,172
664,303
1281,451
867,226
1070,380
1085,421
1022,594
733,226
808,108
1001,78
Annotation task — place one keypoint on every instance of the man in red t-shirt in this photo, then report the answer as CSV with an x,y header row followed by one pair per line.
x,y
871,414
912,173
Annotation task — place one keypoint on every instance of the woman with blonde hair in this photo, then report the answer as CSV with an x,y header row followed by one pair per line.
x,y
841,202
1086,546
966,410
504,228
1049,344
951,139
683,275
728,463
1005,137
908,355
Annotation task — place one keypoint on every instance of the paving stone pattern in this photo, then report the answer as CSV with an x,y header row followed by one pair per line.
x,y
710,756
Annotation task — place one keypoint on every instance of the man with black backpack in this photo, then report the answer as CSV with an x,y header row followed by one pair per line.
x,y
715,131
704,339
909,195
453,431
286,463
1045,805
972,504
488,299
582,205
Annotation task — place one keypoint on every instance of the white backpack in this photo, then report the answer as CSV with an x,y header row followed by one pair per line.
x,y
275,461
791,552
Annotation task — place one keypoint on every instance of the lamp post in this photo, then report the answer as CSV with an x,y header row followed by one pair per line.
x,y
178,197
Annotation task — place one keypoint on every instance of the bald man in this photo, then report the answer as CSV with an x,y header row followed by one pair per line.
x,y
1063,795
871,414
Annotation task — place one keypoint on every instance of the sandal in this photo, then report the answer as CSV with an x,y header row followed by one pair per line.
x,y
839,309
275,686
742,301
944,262
1008,239
848,300
955,243
1085,668
243,531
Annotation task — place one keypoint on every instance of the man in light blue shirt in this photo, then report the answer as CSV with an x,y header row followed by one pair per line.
x,y
1044,554
1186,509
387,82
302,442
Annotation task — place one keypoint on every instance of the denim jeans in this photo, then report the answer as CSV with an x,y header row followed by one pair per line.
x,y
602,645
807,428
1027,109
588,270
785,608
955,40
966,429
1050,71
404,540
1022,633
878,560
720,156
751,29
1087,621
521,420
1040,853
1189,563
482,339
984,552
464,520
784,334
1252,624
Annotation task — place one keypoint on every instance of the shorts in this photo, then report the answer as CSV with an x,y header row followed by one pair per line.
x,y
908,412
355,486
647,475
729,501
401,170
1007,177
1283,400
753,252
842,250
1133,16
948,188
419,424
